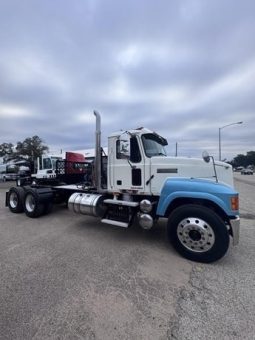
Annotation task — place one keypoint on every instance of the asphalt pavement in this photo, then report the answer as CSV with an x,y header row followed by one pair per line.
x,y
218,302
66,276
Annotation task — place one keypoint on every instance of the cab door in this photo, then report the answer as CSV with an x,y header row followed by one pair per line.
x,y
128,168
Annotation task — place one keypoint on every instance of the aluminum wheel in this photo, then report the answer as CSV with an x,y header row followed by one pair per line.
x,y
13,200
30,203
195,234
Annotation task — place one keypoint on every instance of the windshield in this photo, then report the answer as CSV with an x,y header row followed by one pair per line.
x,y
153,145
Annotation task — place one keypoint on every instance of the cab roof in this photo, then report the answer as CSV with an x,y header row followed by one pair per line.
x,y
138,131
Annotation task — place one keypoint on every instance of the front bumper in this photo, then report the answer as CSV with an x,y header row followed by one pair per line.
x,y
235,229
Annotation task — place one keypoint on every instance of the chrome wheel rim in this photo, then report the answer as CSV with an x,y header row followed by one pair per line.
x,y
195,234
13,200
30,203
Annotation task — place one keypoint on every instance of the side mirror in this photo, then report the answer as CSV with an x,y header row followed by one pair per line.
x,y
124,148
206,156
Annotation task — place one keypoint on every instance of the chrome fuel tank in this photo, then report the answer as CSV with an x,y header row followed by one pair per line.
x,y
87,204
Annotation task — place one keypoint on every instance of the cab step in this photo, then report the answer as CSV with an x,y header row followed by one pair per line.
x,y
117,223
122,203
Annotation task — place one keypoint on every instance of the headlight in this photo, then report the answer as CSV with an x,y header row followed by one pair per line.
x,y
145,206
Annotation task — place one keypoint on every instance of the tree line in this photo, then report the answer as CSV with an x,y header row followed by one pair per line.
x,y
244,160
29,149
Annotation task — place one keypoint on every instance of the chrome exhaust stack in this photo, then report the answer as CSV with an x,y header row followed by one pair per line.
x,y
98,154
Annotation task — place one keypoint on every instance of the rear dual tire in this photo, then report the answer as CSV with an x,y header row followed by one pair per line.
x,y
15,199
32,207
29,200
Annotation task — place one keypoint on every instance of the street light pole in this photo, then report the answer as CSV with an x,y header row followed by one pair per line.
x,y
220,135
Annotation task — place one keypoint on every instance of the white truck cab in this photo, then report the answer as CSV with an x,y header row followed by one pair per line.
x,y
46,166
137,160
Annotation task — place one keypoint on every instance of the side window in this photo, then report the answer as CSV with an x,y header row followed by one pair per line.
x,y
123,148
135,154
128,149
46,163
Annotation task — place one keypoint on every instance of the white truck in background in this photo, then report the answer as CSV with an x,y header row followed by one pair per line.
x,y
138,183
51,169
46,166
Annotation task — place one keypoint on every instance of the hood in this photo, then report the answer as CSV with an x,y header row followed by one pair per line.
x,y
163,167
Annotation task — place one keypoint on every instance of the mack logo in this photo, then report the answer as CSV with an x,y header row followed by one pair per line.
x,y
167,171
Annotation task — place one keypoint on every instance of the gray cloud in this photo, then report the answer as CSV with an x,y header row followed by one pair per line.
x,y
183,69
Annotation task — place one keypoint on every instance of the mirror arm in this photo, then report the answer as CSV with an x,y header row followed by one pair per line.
x,y
214,168
131,165
206,158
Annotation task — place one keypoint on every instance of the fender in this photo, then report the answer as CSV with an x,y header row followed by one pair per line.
x,y
218,193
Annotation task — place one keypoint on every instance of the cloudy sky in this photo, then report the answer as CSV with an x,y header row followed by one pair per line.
x,y
183,68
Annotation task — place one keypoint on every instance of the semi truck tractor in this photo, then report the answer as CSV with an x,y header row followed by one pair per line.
x,y
137,183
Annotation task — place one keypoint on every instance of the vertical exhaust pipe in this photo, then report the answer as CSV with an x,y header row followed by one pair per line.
x,y
98,154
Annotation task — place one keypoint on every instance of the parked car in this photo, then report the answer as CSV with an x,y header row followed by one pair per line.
x,y
239,168
8,177
7,172
247,172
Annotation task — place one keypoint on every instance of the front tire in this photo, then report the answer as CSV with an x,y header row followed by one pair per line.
x,y
198,233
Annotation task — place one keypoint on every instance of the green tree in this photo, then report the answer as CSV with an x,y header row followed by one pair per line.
x,y
239,160
6,151
31,148
251,157
244,160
